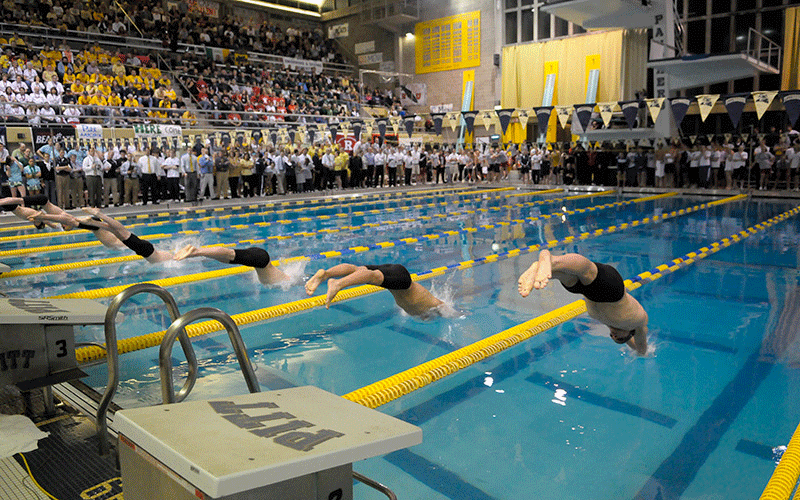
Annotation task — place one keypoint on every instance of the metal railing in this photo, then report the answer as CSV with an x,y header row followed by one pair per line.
x,y
178,326
113,354
375,485
763,50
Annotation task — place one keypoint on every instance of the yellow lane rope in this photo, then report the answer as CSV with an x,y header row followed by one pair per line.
x,y
398,385
166,282
271,204
784,478
90,353
68,246
303,234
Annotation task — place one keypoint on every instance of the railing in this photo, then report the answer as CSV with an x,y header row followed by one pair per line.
x,y
178,327
113,354
375,485
762,49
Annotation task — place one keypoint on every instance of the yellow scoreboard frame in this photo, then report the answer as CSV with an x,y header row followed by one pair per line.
x,y
447,43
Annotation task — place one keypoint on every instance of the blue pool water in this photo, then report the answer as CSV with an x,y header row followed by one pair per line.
x,y
566,414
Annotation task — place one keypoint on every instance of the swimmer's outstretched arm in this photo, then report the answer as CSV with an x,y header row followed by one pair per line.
x,y
639,340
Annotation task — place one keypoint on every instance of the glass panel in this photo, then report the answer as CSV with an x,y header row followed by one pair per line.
x,y
697,8
577,28
720,35
527,25
696,35
511,4
743,23
745,5
718,88
526,2
544,26
769,82
511,27
562,27
743,85
720,6
772,25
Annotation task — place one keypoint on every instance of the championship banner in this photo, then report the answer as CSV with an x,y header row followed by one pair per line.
x,y
791,101
86,131
584,114
469,119
543,117
630,109
606,112
728,137
240,138
225,140
357,127
453,119
762,101
654,106
563,113
42,134
408,122
273,137
369,126
395,123
334,129
523,118
437,118
734,103
706,102
487,118
381,128
292,135
312,134
256,136
692,139
680,105
246,140
504,115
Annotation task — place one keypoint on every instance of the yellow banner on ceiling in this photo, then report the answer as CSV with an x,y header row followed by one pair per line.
x,y
705,102
762,101
654,106
523,118
607,112
563,113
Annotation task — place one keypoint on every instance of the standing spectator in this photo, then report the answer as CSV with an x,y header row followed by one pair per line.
x,y
110,179
93,169
206,165
149,166
189,168
221,174
172,170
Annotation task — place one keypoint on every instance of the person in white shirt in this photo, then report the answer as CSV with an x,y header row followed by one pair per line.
x,y
394,158
793,157
149,166
54,98
93,169
37,97
734,166
29,73
764,158
37,85
189,168
328,160
536,165
32,115
72,115
380,168
413,160
54,84
279,160
450,166
171,166
47,113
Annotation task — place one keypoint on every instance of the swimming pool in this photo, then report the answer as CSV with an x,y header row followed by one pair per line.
x,y
567,414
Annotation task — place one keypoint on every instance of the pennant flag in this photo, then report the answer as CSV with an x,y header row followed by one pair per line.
x,y
692,139
630,109
728,137
606,112
292,135
344,127
745,137
563,113
584,114
504,115
710,137
408,121
706,102
381,122
334,130
654,106
438,118
543,117
734,103
322,126
395,122
311,135
369,127
487,118
453,119
644,143
680,105
357,129
523,118
762,101
791,101
469,119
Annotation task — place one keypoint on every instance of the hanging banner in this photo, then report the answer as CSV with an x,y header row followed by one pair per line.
x,y
680,105
728,137
523,118
654,106
302,64
381,128
157,130
273,137
630,110
791,101
692,139
543,117
706,102
42,134
606,112
292,135
395,123
333,128
357,126
87,131
454,119
469,119
408,122
734,103
369,126
504,115
563,113
437,118
344,128
487,118
584,114
312,134
762,101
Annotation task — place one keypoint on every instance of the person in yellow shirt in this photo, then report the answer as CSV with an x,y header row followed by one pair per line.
x,y
149,83
131,102
188,119
103,58
114,100
165,81
91,88
340,164
15,40
164,103
48,73
69,77
117,68
120,80
104,88
81,76
135,81
78,66
170,94
36,63
155,73
4,41
77,87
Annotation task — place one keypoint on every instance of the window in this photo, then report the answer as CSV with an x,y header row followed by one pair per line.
x,y
577,28
526,2
720,35
745,5
771,3
511,4
769,82
742,25
718,88
562,27
696,35
697,8
527,26
544,25
720,6
743,85
511,27
772,25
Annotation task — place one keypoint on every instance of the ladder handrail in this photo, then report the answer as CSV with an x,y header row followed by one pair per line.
x,y
374,485
112,351
179,325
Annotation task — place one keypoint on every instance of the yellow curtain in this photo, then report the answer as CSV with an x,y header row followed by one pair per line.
x,y
790,77
619,50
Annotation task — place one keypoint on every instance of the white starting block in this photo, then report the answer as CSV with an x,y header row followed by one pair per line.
x,y
289,444
37,341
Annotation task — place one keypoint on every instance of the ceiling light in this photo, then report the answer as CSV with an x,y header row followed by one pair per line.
x,y
285,8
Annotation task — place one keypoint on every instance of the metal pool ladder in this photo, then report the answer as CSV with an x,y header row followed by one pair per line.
x,y
112,352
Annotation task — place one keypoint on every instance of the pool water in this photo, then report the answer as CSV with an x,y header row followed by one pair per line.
x,y
566,414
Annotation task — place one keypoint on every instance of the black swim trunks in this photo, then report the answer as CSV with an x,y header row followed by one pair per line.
x,y
141,247
395,276
608,286
253,257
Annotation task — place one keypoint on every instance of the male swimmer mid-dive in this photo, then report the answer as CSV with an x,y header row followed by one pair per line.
x,y
255,257
412,297
607,301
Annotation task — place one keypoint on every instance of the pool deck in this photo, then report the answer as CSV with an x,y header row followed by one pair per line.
x,y
67,463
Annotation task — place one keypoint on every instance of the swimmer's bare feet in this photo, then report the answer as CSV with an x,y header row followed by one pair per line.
x,y
544,273
91,210
525,283
185,252
333,289
314,281
35,216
